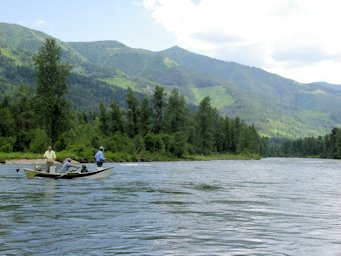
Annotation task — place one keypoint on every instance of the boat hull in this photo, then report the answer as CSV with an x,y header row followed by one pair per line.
x,y
97,174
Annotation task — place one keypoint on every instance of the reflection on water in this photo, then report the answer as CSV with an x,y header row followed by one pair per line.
x,y
267,207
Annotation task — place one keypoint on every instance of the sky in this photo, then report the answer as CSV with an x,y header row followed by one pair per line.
x,y
296,39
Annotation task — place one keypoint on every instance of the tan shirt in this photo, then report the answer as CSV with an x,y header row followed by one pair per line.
x,y
50,156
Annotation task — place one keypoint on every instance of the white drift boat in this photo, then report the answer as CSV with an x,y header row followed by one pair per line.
x,y
103,172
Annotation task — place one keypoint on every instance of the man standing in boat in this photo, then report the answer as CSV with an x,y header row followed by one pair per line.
x,y
50,156
99,156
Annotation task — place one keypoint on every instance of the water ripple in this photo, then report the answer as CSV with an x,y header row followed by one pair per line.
x,y
267,207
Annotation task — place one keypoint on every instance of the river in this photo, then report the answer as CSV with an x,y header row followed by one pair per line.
x,y
273,206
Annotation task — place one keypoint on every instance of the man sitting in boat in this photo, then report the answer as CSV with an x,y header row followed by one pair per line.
x,y
67,165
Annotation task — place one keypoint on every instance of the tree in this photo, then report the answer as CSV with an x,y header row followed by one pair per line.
x,y
7,124
22,109
52,74
116,120
206,120
179,144
159,104
103,119
132,114
176,117
153,143
145,116
235,135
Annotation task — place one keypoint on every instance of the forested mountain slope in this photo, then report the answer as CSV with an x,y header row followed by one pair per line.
x,y
102,71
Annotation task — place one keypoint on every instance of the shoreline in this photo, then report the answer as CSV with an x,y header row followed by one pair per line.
x,y
23,158
43,161
37,161
25,161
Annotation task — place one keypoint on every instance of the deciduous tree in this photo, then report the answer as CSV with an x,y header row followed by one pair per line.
x,y
52,75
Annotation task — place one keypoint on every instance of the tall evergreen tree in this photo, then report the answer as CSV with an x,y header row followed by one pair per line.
x,y
103,119
52,74
159,104
25,121
176,117
7,123
235,135
23,110
145,116
7,127
116,120
205,126
227,134
132,114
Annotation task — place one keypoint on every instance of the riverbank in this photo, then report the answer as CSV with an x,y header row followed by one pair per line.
x,y
31,158
25,161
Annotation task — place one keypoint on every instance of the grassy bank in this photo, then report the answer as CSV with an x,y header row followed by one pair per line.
x,y
242,156
125,157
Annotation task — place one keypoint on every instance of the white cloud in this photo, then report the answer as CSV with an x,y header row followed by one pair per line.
x,y
298,39
39,22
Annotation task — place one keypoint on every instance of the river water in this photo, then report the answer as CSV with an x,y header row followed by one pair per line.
x,y
271,206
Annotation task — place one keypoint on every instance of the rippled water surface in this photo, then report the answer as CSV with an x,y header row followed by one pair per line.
x,y
267,207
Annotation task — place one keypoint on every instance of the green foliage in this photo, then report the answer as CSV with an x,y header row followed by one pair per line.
x,y
104,70
116,121
7,124
169,62
132,114
6,143
122,82
154,143
39,140
120,142
103,119
81,153
145,117
158,108
179,145
18,155
119,157
51,106
205,121
139,144
176,116
328,146
219,96
184,131
166,127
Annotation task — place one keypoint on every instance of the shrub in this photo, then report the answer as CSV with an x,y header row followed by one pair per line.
x,y
154,143
6,144
39,140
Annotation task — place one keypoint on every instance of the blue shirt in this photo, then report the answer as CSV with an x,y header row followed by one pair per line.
x,y
66,166
99,156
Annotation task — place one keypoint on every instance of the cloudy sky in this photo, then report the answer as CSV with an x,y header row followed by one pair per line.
x,y
297,39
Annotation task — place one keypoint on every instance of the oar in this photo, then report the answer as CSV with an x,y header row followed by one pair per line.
x,y
66,173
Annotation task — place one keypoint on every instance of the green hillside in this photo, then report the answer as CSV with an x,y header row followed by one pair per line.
x,y
102,71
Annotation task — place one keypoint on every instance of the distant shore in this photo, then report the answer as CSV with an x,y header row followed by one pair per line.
x,y
25,161
24,158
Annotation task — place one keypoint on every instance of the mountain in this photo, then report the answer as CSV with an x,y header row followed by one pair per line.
x,y
103,70
336,87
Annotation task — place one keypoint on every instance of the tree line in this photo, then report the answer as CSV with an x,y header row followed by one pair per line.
x,y
160,124
327,146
